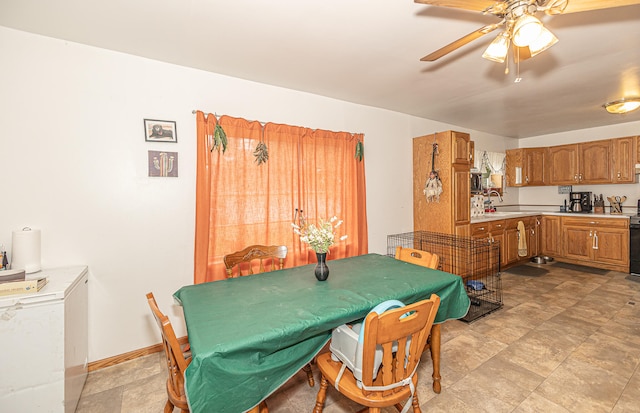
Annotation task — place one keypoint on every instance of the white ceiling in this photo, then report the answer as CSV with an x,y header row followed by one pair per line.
x,y
368,51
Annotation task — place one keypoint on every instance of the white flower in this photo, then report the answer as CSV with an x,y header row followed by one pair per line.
x,y
320,237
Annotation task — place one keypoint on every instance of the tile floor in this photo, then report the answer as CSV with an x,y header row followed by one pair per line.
x,y
567,341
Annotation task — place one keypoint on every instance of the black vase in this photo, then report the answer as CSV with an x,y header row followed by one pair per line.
x,y
321,271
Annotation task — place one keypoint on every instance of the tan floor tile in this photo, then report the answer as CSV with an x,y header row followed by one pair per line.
x,y
582,387
540,352
630,399
609,353
536,404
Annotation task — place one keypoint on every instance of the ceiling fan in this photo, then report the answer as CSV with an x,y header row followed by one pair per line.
x,y
522,29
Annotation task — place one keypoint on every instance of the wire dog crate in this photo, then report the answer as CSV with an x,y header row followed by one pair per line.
x,y
477,261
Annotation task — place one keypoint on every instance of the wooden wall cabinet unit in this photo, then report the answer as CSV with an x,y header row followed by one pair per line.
x,y
549,235
623,151
580,163
602,243
531,162
452,213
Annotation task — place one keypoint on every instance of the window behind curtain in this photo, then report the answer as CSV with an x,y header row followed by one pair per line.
x,y
240,203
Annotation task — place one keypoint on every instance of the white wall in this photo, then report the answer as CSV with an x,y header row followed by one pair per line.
x,y
548,195
73,163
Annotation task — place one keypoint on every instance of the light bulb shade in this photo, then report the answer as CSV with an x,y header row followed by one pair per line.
x,y
623,105
526,30
498,49
545,40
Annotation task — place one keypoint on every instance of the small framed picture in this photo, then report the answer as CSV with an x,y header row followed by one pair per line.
x,y
163,163
160,131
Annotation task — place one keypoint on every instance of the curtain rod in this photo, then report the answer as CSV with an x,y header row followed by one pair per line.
x,y
262,123
194,111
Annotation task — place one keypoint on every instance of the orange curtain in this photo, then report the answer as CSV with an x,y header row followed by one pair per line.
x,y
240,203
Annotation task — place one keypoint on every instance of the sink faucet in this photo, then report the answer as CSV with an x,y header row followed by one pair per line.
x,y
493,191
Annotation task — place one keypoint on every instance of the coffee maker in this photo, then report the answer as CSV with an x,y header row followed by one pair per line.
x,y
580,202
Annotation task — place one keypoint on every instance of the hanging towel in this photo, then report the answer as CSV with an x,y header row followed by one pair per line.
x,y
522,240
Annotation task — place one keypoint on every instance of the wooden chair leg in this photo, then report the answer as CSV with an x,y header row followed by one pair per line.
x,y
168,408
307,369
434,347
261,408
416,404
322,395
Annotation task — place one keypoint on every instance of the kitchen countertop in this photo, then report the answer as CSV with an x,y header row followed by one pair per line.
x,y
494,216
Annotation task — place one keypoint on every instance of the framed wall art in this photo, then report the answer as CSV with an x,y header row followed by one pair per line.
x,y
163,163
160,131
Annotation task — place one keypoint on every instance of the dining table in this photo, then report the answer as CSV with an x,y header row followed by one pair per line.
x,y
249,335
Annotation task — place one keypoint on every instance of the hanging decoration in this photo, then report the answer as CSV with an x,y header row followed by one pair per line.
x,y
433,187
359,150
261,152
219,138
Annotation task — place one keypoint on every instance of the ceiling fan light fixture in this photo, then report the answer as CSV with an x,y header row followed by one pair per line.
x,y
624,105
526,30
498,49
542,42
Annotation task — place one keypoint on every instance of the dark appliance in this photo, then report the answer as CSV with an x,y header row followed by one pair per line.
x,y
580,202
476,183
634,244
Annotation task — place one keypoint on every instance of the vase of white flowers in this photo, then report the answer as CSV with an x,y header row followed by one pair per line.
x,y
320,238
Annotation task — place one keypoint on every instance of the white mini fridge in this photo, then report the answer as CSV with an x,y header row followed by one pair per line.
x,y
44,344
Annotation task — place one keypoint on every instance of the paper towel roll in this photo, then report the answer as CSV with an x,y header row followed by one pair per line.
x,y
25,251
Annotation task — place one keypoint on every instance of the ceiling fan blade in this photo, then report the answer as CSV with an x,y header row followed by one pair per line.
x,y
460,42
475,5
575,6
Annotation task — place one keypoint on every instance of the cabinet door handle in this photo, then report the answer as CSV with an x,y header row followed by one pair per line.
x,y
575,177
595,240
619,175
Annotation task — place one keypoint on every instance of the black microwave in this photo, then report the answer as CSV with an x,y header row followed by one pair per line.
x,y
476,183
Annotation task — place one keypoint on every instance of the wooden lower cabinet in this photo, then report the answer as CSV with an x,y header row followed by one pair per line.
x,y
585,240
550,241
602,243
511,240
506,233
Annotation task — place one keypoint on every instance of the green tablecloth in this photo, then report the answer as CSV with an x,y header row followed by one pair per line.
x,y
249,335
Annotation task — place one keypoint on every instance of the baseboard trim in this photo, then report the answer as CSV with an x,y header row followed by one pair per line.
x,y
131,355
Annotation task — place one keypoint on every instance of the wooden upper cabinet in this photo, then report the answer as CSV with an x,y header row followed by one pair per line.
x,y
531,163
515,161
563,165
461,191
534,163
595,162
623,150
461,148
580,163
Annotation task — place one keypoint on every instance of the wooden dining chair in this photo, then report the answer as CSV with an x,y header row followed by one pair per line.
x,y
176,361
243,261
429,260
418,257
269,254
401,335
